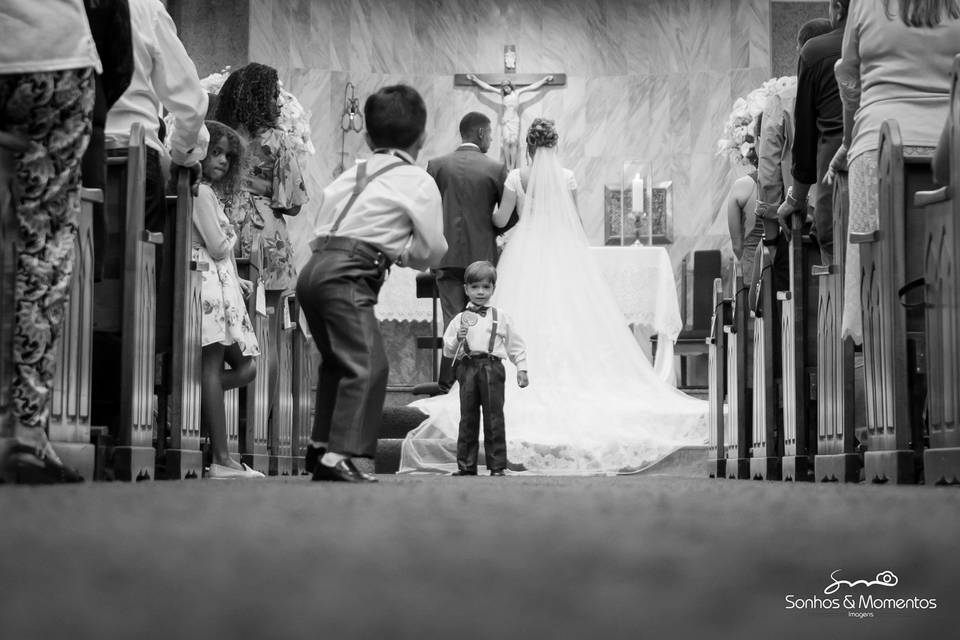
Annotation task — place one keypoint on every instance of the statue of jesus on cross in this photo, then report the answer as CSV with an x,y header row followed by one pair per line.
x,y
510,89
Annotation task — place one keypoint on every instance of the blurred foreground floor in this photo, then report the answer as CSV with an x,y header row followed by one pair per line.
x,y
439,557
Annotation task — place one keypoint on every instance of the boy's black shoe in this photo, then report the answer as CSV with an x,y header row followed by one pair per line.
x,y
464,472
343,471
311,457
496,472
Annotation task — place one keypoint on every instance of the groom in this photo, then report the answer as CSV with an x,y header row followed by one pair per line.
x,y
471,185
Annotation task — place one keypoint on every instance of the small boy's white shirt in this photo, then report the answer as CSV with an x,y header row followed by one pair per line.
x,y
507,344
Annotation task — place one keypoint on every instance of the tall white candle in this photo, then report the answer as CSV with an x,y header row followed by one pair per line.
x,y
637,194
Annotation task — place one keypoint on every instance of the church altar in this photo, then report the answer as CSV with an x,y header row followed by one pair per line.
x,y
640,277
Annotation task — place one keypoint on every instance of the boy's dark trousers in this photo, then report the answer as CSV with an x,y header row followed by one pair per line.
x,y
337,290
481,381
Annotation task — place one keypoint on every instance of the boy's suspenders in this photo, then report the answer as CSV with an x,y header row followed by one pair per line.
x,y
362,181
493,330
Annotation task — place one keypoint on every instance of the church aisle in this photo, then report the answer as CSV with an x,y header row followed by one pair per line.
x,y
650,557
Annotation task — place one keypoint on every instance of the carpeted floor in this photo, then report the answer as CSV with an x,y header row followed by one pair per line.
x,y
439,557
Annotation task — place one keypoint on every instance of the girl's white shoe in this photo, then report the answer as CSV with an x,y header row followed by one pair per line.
x,y
220,472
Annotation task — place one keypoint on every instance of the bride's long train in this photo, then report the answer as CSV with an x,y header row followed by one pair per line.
x,y
594,404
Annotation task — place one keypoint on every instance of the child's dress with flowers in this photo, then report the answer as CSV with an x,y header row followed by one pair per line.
x,y
225,318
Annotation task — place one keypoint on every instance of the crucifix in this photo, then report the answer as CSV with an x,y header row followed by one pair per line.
x,y
509,86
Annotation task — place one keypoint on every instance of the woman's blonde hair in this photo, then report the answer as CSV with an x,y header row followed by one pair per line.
x,y
924,13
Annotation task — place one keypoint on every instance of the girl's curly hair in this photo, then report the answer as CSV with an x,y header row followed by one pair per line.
x,y
248,98
230,183
542,133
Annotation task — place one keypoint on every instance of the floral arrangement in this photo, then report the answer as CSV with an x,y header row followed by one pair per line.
x,y
738,141
294,119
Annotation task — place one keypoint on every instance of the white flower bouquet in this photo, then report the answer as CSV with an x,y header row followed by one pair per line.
x,y
739,131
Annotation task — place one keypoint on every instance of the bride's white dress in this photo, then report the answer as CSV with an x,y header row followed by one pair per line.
x,y
594,404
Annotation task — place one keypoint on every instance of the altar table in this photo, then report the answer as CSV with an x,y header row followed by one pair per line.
x,y
641,279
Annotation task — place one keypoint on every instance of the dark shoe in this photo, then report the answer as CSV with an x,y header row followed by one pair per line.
x,y
343,471
496,472
28,465
464,472
311,457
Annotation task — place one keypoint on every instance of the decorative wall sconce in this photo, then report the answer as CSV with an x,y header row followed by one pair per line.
x,y
350,120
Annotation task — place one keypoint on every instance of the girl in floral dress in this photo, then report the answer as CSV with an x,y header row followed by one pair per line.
x,y
226,332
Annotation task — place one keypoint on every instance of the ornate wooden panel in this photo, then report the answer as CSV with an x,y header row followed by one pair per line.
x,y
737,426
303,368
942,296
183,458
717,384
70,402
836,458
281,413
893,382
767,439
255,397
134,453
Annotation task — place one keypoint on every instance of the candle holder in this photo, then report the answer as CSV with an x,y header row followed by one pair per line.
x,y
636,200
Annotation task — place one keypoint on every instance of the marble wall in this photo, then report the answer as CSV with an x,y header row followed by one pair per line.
x,y
649,80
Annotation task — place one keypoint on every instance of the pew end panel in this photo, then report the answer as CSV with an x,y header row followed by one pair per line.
x,y
716,356
180,395
737,425
941,460
280,423
303,392
836,459
255,397
767,433
893,340
69,427
134,454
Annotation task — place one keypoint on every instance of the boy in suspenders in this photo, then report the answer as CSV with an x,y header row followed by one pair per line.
x,y
478,340
380,212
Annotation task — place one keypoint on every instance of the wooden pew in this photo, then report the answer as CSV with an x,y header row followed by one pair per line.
x,y
255,397
893,344
836,458
133,455
798,332
717,384
303,392
280,426
737,425
941,460
69,428
767,439
183,457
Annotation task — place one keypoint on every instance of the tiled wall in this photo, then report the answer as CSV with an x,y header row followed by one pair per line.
x,y
646,80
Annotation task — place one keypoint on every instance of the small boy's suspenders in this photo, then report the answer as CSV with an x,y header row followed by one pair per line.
x,y
362,181
493,330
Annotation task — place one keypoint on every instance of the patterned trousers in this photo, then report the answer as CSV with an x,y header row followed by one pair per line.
x,y
52,111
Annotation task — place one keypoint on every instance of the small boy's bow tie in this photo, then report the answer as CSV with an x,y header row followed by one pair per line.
x,y
477,309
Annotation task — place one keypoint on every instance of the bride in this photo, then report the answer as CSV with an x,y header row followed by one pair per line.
x,y
594,404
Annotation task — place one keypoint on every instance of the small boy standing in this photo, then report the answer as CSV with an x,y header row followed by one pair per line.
x,y
478,339
381,212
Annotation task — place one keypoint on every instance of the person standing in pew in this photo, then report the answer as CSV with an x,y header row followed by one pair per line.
x,y
775,159
383,211
226,333
47,65
896,63
818,129
164,76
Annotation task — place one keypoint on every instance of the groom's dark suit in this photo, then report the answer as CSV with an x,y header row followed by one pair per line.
x,y
471,185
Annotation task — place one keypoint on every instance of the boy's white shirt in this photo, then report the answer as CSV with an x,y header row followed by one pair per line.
x,y
508,343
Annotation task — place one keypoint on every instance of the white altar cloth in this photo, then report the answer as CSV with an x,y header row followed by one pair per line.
x,y
641,279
